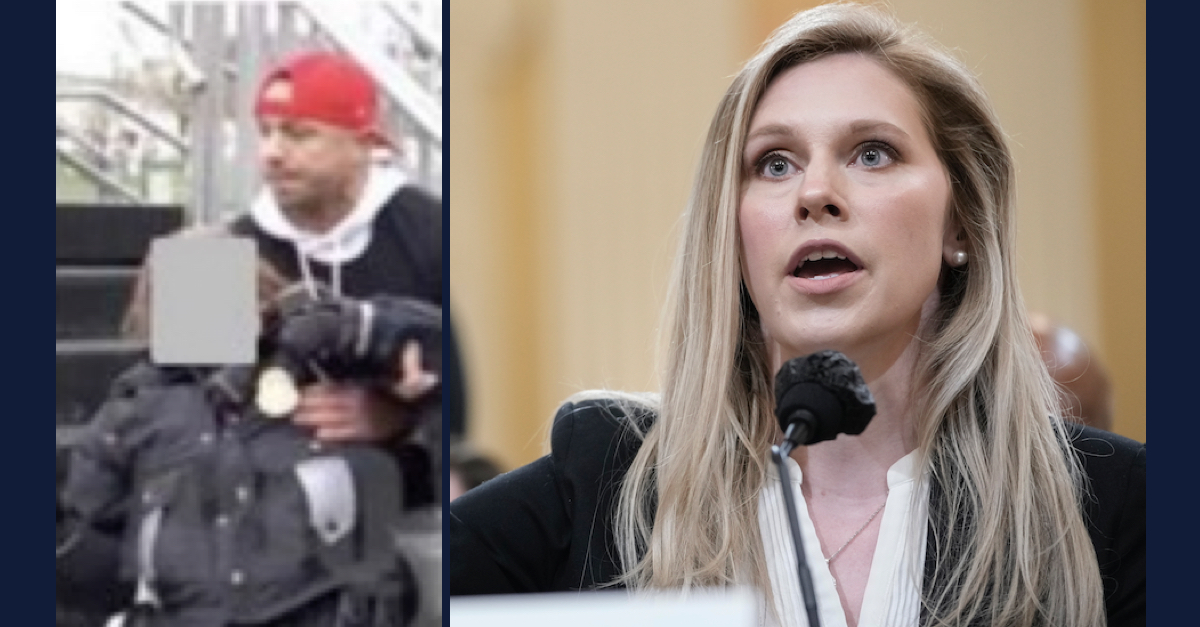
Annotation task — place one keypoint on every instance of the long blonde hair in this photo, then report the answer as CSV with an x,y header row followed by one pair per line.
x,y
1014,549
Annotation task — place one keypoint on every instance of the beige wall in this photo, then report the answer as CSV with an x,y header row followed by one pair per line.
x,y
1116,44
575,129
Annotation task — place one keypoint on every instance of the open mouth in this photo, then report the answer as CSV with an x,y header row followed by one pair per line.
x,y
823,265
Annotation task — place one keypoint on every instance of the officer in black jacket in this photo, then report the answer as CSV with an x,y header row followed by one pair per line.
x,y
197,501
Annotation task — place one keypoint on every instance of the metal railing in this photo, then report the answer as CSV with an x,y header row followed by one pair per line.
x,y
426,39
92,162
86,150
193,78
220,49
108,186
127,111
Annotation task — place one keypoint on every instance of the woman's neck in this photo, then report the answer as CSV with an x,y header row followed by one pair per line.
x,y
856,467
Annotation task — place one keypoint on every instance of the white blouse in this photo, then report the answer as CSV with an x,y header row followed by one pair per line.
x,y
893,594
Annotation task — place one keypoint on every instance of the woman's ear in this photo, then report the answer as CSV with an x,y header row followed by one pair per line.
x,y
954,246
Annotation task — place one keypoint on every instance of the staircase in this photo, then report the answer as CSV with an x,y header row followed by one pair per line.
x,y
98,250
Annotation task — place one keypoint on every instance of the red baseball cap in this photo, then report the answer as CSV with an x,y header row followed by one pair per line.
x,y
326,87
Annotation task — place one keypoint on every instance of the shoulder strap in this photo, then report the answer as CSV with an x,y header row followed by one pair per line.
x,y
243,226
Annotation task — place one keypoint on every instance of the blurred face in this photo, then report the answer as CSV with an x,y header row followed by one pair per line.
x,y
310,166
844,215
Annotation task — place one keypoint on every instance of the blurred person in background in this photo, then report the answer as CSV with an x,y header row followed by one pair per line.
x,y
1087,392
469,469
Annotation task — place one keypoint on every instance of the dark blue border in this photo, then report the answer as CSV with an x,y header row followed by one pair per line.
x,y
22,216
446,249
1171,207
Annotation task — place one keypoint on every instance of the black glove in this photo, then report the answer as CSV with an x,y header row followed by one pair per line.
x,y
370,335
323,332
395,325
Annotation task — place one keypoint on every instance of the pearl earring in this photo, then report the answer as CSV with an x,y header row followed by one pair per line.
x,y
959,259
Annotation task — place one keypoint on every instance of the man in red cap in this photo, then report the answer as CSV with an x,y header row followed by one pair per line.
x,y
336,212
319,118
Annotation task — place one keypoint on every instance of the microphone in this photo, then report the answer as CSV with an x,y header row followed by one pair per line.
x,y
817,398
820,397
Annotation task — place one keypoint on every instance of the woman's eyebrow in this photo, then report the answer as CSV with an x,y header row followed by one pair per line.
x,y
857,127
867,126
770,130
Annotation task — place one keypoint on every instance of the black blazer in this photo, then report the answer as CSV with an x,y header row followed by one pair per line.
x,y
547,527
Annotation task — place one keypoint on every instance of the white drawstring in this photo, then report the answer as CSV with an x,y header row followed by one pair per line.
x,y
310,284
310,280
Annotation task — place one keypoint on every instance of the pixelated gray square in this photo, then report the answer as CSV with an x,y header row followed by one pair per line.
x,y
204,301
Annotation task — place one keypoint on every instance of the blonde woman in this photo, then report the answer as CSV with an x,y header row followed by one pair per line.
x,y
855,194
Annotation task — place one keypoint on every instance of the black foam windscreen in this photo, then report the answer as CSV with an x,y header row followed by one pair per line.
x,y
826,391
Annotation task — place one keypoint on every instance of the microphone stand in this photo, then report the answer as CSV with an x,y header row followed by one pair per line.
x,y
796,432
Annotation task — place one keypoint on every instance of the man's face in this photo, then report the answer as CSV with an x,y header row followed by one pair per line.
x,y
310,166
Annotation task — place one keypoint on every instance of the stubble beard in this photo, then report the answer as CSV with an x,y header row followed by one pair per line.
x,y
315,212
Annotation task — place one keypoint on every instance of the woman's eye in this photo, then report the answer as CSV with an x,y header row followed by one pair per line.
x,y
775,167
874,156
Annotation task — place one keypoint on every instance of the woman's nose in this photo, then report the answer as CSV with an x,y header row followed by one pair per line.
x,y
820,191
